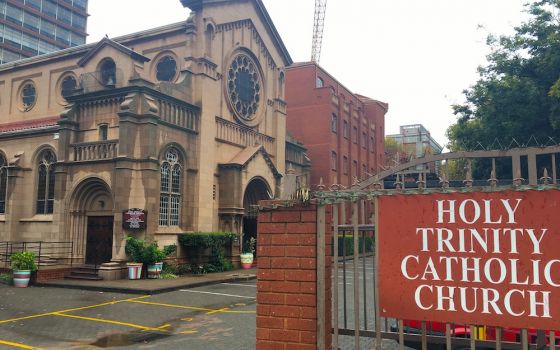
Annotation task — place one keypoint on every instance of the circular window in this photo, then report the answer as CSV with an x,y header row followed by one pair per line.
x,y
28,96
166,69
244,87
67,86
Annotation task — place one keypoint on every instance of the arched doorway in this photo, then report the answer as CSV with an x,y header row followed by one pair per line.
x,y
91,221
256,190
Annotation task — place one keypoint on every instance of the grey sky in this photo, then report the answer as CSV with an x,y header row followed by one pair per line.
x,y
416,55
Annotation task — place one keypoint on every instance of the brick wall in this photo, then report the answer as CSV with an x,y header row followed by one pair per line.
x,y
287,279
51,274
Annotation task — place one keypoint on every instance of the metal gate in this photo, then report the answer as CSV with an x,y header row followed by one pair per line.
x,y
356,320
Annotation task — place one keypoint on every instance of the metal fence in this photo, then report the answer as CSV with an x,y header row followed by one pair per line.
x,y
356,317
46,253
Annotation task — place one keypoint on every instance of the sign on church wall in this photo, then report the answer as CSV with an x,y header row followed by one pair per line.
x,y
134,219
489,258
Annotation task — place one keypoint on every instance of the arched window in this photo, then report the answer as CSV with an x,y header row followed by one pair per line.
x,y
3,183
319,83
108,72
68,86
170,188
45,185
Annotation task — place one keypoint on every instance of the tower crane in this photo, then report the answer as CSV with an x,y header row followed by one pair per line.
x,y
318,26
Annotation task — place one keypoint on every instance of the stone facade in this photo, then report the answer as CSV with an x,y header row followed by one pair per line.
x,y
185,121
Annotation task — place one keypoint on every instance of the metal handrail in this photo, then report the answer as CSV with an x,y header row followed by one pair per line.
x,y
60,252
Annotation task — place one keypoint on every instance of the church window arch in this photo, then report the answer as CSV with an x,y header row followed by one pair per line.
x,y
170,188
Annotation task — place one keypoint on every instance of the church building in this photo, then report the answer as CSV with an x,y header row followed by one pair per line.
x,y
184,126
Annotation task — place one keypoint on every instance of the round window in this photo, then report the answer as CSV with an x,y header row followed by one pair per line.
x,y
244,87
28,96
67,86
166,69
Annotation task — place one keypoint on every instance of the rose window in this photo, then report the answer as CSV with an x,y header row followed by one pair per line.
x,y
244,87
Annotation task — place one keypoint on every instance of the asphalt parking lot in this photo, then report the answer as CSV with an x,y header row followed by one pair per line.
x,y
220,316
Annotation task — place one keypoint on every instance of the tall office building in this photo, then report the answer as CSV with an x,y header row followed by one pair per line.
x,y
34,27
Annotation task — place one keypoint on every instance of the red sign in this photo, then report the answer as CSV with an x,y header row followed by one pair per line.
x,y
134,219
485,258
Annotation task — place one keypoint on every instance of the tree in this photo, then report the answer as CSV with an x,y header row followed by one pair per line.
x,y
518,93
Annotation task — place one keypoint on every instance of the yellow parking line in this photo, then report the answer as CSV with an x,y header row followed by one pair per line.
x,y
209,311
70,310
188,332
216,311
170,305
145,328
18,345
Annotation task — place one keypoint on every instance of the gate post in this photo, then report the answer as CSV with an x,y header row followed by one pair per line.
x,y
287,303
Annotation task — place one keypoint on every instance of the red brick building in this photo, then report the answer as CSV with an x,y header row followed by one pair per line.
x,y
342,131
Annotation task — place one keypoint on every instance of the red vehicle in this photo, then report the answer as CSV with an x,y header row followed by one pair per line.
x,y
509,334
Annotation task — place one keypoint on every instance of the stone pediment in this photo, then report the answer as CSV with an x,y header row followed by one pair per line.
x,y
249,154
106,42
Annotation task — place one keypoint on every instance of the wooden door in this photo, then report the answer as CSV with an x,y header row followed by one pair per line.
x,y
99,247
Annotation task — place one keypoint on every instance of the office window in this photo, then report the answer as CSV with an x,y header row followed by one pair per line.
x,y
63,35
81,4
9,56
34,3
78,21
14,14
333,160
364,140
64,15
345,165
364,171
333,122
46,181
31,22
345,129
372,143
12,36
2,8
49,8
48,28
355,134
76,39
30,43
355,168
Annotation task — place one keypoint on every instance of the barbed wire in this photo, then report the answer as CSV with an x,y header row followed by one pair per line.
x,y
500,144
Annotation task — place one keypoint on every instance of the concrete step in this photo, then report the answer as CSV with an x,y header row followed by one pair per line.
x,y
72,276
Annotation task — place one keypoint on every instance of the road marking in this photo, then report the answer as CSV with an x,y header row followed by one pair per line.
x,y
188,332
171,305
221,294
191,307
216,311
73,309
101,320
241,285
18,345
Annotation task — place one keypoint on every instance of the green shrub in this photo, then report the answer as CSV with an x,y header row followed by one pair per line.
x,y
170,267
6,278
23,261
148,254
347,243
216,241
184,269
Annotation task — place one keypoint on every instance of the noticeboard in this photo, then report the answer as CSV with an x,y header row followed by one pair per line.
x,y
134,219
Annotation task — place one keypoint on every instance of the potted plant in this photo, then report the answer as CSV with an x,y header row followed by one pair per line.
x,y
247,254
153,258
23,263
134,248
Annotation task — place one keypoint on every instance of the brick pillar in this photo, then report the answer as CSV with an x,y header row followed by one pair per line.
x,y
287,278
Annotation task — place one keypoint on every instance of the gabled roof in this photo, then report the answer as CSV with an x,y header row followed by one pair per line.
x,y
243,158
108,42
196,5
